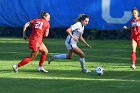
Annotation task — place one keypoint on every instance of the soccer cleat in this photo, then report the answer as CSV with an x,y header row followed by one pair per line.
x,y
133,66
15,68
50,59
41,69
85,70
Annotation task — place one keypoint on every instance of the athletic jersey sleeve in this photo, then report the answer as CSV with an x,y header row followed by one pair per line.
x,y
32,21
76,26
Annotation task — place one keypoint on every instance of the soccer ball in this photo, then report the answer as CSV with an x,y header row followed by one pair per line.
x,y
99,71
124,27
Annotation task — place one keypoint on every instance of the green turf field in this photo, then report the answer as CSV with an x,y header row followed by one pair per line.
x,y
64,75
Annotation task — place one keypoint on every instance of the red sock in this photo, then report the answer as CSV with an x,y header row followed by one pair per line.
x,y
24,62
133,57
42,59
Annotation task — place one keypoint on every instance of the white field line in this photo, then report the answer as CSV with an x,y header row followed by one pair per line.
x,y
67,78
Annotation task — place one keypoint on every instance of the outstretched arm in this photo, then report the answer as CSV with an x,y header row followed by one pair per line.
x,y
126,28
83,40
24,30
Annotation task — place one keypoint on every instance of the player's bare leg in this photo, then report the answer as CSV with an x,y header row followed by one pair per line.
x,y
44,51
78,51
133,54
26,60
70,54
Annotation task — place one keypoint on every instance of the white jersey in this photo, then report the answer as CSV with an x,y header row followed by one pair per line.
x,y
77,30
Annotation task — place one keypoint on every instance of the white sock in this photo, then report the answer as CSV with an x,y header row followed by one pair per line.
x,y
60,56
82,63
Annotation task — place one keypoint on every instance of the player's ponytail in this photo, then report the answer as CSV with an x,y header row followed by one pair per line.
x,y
81,17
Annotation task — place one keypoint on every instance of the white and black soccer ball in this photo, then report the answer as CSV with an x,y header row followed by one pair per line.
x,y
124,27
99,71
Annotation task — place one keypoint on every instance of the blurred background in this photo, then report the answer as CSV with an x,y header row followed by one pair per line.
x,y
107,17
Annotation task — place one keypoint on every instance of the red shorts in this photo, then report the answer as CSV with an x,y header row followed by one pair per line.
x,y
136,38
33,45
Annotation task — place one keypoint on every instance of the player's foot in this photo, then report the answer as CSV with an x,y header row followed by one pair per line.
x,y
41,69
15,68
50,59
133,66
86,70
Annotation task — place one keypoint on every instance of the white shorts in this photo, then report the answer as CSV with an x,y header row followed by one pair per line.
x,y
70,46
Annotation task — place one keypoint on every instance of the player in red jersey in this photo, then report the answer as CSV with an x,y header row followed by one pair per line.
x,y
40,29
135,35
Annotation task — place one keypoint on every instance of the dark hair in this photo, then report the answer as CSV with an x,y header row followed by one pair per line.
x,y
43,13
134,9
81,17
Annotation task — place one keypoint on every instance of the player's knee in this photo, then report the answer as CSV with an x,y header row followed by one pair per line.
x,y
133,50
45,52
69,58
82,55
32,59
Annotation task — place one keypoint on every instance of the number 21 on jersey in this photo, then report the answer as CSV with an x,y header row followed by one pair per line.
x,y
38,25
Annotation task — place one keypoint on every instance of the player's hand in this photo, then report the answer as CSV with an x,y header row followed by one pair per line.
x,y
75,39
25,37
89,46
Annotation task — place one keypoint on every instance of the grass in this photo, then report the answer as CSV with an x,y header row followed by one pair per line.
x,y
64,75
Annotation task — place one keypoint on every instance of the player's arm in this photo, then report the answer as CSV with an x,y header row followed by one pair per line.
x,y
126,28
24,30
46,33
83,40
69,31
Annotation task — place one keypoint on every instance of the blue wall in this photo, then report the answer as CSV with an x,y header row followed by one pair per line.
x,y
104,14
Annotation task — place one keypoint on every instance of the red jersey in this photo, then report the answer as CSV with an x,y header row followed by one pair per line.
x,y
135,29
39,27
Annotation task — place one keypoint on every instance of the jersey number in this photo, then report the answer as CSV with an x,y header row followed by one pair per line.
x,y
38,25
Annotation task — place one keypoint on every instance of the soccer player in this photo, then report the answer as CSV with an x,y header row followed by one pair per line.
x,y
40,29
135,35
75,32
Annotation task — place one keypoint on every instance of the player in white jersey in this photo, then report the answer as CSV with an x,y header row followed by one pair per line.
x,y
77,30
75,33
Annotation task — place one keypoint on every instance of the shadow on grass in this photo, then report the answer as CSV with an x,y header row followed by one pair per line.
x,y
17,49
99,84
